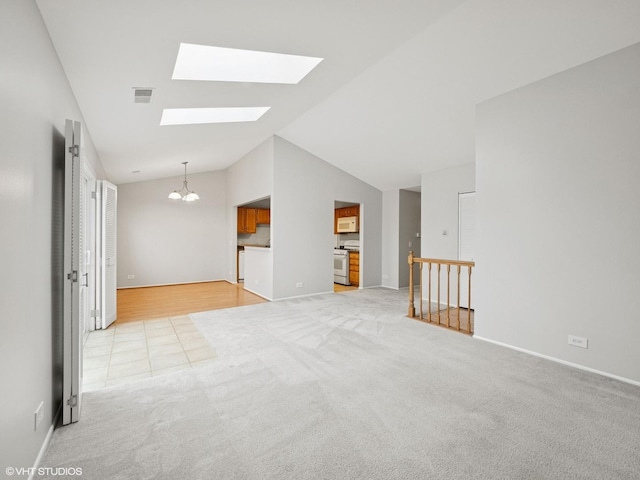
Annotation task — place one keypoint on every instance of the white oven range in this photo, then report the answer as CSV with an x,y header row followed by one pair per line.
x,y
341,261
341,266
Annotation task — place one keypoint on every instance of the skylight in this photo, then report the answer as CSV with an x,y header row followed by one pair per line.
x,y
190,116
200,62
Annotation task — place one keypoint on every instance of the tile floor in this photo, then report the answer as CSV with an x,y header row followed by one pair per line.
x,y
132,351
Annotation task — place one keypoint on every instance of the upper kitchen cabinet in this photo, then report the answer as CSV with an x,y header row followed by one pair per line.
x,y
247,220
353,211
263,216
350,211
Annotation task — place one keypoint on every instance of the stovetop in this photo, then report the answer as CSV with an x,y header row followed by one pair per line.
x,y
352,245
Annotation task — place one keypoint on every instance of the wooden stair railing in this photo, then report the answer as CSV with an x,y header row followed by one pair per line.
x,y
430,317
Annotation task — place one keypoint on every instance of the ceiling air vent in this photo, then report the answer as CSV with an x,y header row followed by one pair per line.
x,y
142,95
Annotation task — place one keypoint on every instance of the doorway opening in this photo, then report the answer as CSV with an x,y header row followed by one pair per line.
x,y
409,231
347,257
253,230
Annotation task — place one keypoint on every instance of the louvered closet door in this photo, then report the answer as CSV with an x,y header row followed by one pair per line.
x,y
109,253
72,351
83,264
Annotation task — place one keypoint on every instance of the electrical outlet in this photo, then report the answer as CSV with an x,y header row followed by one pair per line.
x,y
578,341
131,277
38,415
299,285
410,244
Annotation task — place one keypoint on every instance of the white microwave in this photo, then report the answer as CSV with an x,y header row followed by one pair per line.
x,y
347,224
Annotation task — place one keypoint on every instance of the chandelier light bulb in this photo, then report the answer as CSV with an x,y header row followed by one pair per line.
x,y
184,193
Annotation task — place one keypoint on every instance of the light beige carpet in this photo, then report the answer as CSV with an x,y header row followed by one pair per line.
x,y
343,386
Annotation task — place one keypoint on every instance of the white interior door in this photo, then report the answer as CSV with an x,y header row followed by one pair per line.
x,y
89,309
73,261
84,258
109,254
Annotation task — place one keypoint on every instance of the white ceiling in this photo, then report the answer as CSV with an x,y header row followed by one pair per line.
x,y
394,97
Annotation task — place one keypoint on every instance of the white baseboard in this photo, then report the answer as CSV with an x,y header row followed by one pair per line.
x,y
563,362
300,296
171,284
258,294
45,444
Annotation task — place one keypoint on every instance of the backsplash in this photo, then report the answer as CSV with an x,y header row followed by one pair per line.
x,y
261,237
342,237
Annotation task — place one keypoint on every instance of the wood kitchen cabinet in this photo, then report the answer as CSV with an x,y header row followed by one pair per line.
x,y
263,216
353,211
247,220
354,268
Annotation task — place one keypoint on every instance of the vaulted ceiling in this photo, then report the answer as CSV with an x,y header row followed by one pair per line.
x,y
394,97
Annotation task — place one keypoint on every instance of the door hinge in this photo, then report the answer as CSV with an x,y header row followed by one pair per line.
x,y
73,401
93,195
95,313
73,276
74,150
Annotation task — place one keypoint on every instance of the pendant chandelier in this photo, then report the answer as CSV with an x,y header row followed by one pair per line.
x,y
184,193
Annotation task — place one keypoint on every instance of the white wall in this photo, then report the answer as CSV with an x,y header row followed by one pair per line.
x,y
35,100
410,212
439,214
258,271
400,223
558,164
163,241
302,205
248,179
251,177
440,209
390,245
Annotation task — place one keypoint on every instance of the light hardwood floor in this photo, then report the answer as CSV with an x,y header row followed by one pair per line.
x,y
452,313
147,303
343,288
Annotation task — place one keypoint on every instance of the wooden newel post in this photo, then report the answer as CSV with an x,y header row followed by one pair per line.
x,y
412,308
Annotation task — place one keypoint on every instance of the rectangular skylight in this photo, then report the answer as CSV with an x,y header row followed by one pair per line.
x,y
200,62
190,116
